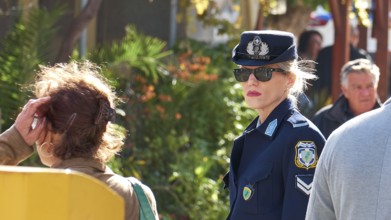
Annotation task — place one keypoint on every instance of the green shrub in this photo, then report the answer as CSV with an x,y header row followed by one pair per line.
x,y
182,110
22,50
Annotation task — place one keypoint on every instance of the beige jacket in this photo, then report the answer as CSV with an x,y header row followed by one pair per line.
x,y
13,150
118,183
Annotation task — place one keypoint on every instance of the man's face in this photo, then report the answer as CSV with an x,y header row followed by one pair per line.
x,y
360,91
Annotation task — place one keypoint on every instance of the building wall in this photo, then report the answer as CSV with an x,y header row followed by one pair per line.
x,y
8,14
151,17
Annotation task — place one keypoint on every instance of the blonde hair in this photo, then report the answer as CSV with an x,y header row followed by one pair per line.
x,y
82,104
303,73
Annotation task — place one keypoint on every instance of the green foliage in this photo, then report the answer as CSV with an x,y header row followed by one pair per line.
x,y
318,100
182,113
181,108
143,53
22,50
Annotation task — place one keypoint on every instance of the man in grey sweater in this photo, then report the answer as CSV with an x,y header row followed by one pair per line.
x,y
353,177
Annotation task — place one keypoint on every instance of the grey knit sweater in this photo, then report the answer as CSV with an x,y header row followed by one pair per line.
x,y
353,177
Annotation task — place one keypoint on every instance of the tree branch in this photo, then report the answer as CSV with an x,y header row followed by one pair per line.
x,y
76,28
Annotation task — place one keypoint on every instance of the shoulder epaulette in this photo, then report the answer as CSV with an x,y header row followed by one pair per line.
x,y
297,120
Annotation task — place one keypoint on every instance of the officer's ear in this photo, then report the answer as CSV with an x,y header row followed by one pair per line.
x,y
291,80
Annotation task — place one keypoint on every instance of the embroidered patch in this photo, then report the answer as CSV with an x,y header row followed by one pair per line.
x,y
304,183
258,49
248,192
271,127
306,155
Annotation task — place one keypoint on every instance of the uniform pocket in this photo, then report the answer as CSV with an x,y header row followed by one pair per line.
x,y
256,192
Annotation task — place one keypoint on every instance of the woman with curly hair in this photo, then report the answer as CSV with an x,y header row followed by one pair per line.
x,y
77,133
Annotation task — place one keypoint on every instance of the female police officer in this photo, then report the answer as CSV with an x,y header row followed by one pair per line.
x,y
273,161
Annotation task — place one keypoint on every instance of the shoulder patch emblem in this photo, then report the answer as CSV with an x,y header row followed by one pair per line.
x,y
306,155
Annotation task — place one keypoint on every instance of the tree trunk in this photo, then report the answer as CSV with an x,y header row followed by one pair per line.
x,y
295,20
76,28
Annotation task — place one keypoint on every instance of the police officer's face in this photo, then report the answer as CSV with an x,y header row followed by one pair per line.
x,y
265,96
360,91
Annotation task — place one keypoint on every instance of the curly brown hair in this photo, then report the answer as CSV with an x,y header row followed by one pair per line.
x,y
82,104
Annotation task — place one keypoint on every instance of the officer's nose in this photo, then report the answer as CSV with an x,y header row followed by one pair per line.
x,y
252,79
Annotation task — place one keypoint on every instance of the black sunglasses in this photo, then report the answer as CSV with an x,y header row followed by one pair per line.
x,y
261,74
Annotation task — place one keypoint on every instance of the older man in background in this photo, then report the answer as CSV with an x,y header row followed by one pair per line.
x,y
359,81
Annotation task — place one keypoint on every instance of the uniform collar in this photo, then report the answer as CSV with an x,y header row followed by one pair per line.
x,y
273,121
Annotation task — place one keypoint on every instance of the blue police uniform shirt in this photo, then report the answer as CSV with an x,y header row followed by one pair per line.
x,y
272,166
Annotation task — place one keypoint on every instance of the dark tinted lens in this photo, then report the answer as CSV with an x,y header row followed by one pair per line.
x,y
242,75
263,74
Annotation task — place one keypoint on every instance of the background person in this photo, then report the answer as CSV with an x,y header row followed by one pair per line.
x,y
353,176
273,161
359,80
78,134
321,89
309,44
16,144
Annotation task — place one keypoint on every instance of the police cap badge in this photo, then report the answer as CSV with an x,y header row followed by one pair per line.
x,y
260,48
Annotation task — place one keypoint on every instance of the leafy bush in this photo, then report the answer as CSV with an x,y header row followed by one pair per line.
x,y
182,112
181,108
22,50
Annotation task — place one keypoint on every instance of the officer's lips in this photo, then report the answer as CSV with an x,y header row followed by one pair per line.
x,y
253,93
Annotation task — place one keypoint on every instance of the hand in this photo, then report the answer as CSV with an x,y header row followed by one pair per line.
x,y
29,114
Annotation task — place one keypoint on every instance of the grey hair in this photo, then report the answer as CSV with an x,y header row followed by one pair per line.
x,y
362,66
303,71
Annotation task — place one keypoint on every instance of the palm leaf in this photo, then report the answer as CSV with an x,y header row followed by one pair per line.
x,y
22,50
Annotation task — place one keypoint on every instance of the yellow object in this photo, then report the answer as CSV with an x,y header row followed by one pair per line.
x,y
28,193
